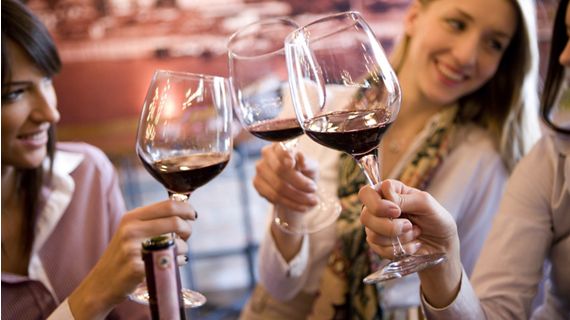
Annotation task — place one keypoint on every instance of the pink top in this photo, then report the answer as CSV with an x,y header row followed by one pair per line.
x,y
82,211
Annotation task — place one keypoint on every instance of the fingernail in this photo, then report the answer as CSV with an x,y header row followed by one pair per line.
x,y
314,200
182,260
195,215
407,227
312,186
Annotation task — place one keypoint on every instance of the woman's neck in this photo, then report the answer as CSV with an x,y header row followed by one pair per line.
x,y
417,110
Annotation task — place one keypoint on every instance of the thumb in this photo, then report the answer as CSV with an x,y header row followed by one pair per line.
x,y
307,166
397,192
410,200
284,155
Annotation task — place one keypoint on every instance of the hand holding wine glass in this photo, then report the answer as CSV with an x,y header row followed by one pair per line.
x,y
184,139
259,78
387,211
340,52
433,231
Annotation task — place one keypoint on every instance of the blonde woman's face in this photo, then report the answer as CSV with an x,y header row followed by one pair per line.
x,y
456,46
28,111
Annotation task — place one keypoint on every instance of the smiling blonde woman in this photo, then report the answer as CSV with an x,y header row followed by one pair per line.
x,y
469,112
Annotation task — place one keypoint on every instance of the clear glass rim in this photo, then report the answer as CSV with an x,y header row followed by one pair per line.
x,y
197,76
357,17
234,37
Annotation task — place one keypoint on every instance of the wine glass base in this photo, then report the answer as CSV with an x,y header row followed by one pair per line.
x,y
316,219
192,299
404,266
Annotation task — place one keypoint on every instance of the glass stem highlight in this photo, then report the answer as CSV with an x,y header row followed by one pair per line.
x,y
370,166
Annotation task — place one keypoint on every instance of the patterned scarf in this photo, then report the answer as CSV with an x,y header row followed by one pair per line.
x,y
342,295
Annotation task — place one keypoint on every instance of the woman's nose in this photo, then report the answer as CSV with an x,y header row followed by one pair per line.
x,y
45,109
466,50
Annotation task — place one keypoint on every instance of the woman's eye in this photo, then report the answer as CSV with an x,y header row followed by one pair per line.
x,y
12,95
456,24
497,45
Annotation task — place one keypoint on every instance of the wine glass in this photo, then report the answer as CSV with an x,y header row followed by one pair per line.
x,y
258,75
340,52
184,140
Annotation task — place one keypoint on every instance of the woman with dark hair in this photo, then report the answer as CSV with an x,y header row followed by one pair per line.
x,y
531,230
68,249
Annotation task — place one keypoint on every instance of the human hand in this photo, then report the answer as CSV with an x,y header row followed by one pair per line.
x,y
414,216
286,178
121,268
426,228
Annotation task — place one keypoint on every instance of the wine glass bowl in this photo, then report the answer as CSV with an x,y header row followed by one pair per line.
x,y
258,75
259,79
184,139
340,53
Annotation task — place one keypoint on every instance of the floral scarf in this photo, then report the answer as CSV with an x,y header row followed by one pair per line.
x,y
342,294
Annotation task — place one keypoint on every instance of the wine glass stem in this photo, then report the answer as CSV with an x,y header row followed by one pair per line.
x,y
371,168
290,144
177,197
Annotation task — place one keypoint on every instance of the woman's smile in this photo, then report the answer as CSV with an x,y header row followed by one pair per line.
x,y
34,140
449,75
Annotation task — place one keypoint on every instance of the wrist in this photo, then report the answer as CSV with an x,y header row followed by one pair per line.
x,y
287,243
440,284
86,302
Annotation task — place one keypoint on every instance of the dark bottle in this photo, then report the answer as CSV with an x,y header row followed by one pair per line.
x,y
163,279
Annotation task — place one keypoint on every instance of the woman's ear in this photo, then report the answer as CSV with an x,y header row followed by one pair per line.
x,y
411,17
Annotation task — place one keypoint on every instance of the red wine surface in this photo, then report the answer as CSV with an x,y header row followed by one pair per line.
x,y
184,174
354,132
277,130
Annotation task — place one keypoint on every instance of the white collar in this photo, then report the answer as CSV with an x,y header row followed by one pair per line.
x,y
55,204
62,188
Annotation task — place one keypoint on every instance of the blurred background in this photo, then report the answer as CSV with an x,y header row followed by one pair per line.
x,y
110,49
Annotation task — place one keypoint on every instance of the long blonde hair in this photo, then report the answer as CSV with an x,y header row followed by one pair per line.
x,y
512,119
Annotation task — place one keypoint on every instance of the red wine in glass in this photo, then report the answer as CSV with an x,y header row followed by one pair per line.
x,y
277,130
184,174
341,51
184,140
354,132
258,73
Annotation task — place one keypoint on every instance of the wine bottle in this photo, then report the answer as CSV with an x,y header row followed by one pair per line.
x,y
163,279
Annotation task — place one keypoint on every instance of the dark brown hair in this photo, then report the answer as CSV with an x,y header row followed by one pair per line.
x,y
24,29
555,72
